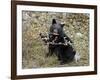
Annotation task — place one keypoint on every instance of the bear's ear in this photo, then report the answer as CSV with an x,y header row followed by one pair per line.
x,y
54,21
62,25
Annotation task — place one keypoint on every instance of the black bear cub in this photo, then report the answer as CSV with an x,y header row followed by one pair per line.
x,y
59,43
